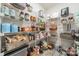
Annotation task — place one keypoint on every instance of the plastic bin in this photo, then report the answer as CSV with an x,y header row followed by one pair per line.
x,y
0,28
14,28
5,28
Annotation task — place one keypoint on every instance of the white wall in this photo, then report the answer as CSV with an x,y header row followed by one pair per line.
x,y
36,7
73,7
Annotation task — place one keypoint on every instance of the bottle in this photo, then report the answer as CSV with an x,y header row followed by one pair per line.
x,y
19,29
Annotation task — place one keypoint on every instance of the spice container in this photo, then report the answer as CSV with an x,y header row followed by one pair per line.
x,y
33,27
26,29
31,36
22,29
33,18
41,35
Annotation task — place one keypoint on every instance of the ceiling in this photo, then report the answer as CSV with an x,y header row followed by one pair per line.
x,y
47,6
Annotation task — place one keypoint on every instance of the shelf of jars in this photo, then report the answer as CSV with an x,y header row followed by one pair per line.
x,y
19,33
7,11
10,16
14,34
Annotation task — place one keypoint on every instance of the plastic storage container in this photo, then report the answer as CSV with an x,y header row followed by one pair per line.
x,y
14,28
12,13
0,28
0,10
5,10
5,27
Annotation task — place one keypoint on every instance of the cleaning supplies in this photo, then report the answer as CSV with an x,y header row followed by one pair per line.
x,y
33,18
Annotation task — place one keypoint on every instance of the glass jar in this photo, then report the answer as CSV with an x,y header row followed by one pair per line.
x,y
21,16
26,16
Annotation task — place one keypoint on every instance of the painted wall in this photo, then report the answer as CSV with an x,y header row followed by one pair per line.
x,y
73,7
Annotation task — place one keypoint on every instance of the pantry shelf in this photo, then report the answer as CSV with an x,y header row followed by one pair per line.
x,y
20,33
12,52
3,34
